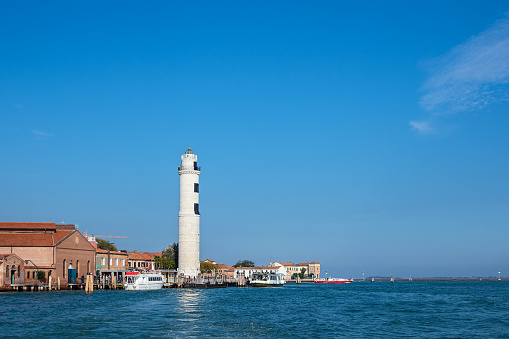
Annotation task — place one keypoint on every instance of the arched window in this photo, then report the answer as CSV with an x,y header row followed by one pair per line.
x,y
77,268
28,274
64,267
19,271
7,271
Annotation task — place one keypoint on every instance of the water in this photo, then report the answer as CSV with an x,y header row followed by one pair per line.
x,y
361,309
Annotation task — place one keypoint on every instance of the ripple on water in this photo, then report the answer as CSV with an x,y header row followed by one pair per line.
x,y
426,309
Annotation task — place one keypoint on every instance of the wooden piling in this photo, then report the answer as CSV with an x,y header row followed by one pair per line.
x,y
58,283
89,284
49,283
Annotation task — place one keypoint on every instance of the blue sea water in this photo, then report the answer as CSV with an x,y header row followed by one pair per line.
x,y
452,309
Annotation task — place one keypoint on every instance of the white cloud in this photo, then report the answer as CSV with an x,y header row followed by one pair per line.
x,y
472,75
42,134
423,127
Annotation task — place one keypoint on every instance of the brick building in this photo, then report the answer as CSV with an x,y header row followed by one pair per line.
x,y
111,260
47,247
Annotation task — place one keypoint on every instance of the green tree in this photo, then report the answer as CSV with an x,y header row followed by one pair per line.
x,y
207,267
302,271
244,263
105,245
172,252
164,263
41,275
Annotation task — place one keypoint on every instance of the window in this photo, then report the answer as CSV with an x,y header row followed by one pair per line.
x,y
64,268
116,262
195,166
49,274
196,209
123,262
19,271
7,271
197,188
28,274
111,261
103,261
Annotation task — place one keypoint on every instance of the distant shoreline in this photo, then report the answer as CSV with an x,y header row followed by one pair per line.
x,y
414,279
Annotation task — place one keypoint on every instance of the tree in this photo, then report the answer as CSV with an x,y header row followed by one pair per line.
x,y
105,245
244,263
164,263
302,271
172,252
41,275
207,267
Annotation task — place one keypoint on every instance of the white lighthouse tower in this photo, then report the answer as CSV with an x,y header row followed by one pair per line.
x,y
189,215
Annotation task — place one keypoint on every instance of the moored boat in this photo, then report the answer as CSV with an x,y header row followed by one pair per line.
x,y
267,280
143,281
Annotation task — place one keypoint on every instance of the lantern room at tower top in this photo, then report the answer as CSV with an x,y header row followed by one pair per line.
x,y
189,161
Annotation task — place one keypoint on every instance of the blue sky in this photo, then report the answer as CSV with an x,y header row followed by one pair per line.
x,y
370,137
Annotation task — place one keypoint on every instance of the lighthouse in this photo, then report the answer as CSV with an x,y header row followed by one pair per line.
x,y
189,215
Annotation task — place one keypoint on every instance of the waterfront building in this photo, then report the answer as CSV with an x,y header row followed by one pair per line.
x,y
311,269
12,270
227,270
221,269
57,250
247,272
111,260
141,261
189,215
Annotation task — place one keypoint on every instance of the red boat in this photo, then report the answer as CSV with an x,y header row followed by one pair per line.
x,y
332,281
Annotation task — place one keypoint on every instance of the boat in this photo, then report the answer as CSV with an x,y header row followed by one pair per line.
x,y
267,280
152,280
329,280
332,281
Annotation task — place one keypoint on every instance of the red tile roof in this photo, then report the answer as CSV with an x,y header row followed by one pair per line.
x,y
28,225
142,255
314,262
225,267
33,240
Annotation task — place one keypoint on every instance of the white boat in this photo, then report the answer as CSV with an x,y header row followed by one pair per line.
x,y
267,280
143,281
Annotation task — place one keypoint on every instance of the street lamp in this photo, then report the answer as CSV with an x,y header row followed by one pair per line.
x,y
37,269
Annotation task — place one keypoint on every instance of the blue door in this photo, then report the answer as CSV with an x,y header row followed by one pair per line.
x,y
72,276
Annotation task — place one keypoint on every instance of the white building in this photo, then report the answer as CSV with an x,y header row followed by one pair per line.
x,y
247,272
189,215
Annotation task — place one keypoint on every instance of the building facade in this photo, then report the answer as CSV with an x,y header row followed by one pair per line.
x,y
141,261
189,215
311,269
247,272
54,249
111,260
